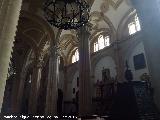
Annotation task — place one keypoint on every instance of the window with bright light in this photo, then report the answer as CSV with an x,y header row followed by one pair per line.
x,y
75,56
134,26
103,41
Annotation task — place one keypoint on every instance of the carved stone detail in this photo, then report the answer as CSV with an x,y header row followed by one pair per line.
x,y
115,3
104,6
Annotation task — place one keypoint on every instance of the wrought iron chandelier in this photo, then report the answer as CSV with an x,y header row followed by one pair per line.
x,y
66,14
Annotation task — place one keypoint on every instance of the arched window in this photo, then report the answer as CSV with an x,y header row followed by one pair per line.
x,y
134,26
75,56
103,41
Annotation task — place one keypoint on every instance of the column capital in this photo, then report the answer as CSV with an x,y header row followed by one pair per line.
x,y
84,30
59,50
54,51
40,63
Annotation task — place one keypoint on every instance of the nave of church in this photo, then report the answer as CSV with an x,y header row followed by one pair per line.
x,y
105,69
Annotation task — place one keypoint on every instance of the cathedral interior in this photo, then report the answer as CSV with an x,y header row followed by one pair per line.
x,y
107,69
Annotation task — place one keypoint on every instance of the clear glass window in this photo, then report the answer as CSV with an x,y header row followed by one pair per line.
x,y
138,26
103,41
134,26
75,56
95,46
107,41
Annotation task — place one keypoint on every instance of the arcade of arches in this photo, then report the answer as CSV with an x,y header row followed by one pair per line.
x,y
104,71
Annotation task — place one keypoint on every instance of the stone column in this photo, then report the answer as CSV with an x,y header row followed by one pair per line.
x,y
85,98
65,80
51,98
35,84
14,92
119,62
23,76
9,15
149,14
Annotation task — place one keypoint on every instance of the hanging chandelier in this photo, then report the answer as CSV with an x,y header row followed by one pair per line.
x,y
66,14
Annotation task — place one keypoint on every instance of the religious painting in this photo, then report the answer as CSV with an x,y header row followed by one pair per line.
x,y
139,61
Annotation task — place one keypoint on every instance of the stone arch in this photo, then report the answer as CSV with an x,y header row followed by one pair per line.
x,y
123,22
106,62
49,32
111,26
67,42
39,20
28,40
111,29
69,38
71,54
96,59
103,31
64,58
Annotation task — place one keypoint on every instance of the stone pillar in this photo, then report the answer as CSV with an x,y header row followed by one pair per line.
x,y
9,15
51,98
119,63
149,14
85,98
65,80
23,76
14,92
35,84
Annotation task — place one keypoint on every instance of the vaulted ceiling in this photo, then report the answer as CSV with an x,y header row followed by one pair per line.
x,y
104,15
